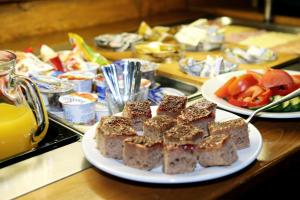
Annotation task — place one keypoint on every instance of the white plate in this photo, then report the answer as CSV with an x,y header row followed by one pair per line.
x,y
116,167
211,85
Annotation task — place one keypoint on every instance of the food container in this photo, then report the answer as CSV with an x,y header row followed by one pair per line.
x,y
91,67
101,110
51,89
158,52
148,68
100,86
82,81
79,108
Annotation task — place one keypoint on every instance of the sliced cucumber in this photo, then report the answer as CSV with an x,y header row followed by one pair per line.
x,y
278,107
295,104
292,105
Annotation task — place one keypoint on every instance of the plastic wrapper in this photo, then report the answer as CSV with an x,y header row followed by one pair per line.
x,y
157,33
29,63
251,55
208,68
200,36
87,52
158,52
117,42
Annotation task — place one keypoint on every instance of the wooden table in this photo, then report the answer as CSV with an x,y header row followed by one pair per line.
x,y
280,147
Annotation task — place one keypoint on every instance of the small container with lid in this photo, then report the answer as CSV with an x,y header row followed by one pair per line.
x,y
79,108
82,81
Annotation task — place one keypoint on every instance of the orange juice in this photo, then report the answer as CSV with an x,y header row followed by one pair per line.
x,y
17,124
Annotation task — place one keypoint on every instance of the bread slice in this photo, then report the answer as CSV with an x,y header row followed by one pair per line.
x,y
156,126
137,112
143,153
217,150
237,129
179,158
171,105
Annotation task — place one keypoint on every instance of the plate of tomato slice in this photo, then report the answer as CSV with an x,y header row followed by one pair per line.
x,y
246,90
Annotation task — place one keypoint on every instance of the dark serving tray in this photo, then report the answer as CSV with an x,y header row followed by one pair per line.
x,y
58,135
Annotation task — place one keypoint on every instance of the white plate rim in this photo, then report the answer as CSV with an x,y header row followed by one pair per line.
x,y
116,168
211,85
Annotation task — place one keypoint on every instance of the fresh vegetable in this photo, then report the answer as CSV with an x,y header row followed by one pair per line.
x,y
296,79
222,92
253,90
241,84
255,96
292,105
279,81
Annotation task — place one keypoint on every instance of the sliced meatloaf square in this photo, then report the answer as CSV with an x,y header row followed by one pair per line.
x,y
179,158
143,153
156,126
183,134
137,112
110,137
207,105
237,129
217,150
171,105
195,116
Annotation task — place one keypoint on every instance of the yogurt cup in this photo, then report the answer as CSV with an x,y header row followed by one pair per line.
x,y
82,81
79,108
51,89
101,86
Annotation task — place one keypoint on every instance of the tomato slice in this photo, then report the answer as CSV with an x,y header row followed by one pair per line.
x,y
236,102
296,79
256,75
222,92
258,98
254,97
241,84
276,78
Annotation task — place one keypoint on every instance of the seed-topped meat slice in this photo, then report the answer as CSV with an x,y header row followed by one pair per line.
x,y
142,152
156,126
172,105
137,112
183,134
179,158
237,129
200,118
217,150
204,104
109,121
110,134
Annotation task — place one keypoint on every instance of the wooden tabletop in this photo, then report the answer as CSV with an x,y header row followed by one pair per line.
x,y
281,138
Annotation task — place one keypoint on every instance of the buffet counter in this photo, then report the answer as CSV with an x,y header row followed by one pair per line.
x,y
281,145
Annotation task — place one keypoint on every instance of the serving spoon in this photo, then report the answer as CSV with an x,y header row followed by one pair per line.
x,y
283,99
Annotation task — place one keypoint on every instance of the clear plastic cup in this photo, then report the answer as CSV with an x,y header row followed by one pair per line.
x,y
115,107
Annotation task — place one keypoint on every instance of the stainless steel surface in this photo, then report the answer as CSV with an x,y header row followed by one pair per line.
x,y
187,88
268,11
283,99
41,170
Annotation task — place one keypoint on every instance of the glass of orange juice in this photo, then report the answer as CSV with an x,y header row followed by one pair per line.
x,y
23,119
